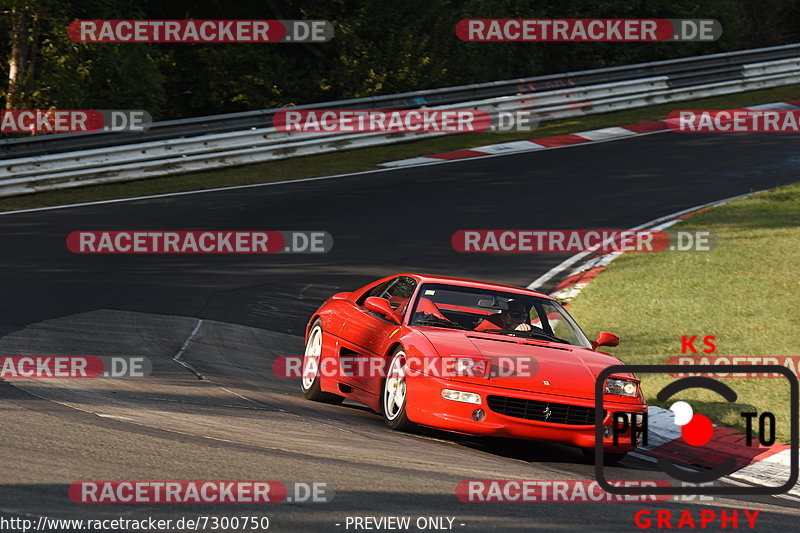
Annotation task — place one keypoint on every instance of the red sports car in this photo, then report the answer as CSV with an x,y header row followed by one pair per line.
x,y
466,356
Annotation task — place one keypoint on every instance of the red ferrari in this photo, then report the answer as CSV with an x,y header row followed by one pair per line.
x,y
468,357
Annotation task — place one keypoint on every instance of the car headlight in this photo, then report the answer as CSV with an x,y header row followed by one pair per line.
x,y
461,396
476,367
621,387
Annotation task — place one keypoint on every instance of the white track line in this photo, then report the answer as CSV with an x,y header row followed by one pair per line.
x,y
284,182
315,178
179,355
657,223
556,270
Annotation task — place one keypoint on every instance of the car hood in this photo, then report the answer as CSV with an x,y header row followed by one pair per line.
x,y
523,364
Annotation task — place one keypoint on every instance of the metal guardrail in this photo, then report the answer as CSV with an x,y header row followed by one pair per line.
x,y
70,160
682,72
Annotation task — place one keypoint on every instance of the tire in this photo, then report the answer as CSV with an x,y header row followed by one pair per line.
x,y
309,381
394,394
609,458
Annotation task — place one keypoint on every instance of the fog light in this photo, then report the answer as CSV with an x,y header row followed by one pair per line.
x,y
608,432
461,396
478,415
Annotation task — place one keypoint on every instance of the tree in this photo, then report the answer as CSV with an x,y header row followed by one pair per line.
x,y
45,69
379,47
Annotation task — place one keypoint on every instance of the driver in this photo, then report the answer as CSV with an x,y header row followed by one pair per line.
x,y
515,317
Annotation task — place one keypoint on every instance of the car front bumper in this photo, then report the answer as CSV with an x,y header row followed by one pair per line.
x,y
425,406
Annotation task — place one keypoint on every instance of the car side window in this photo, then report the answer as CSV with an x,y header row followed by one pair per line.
x,y
378,290
397,291
400,292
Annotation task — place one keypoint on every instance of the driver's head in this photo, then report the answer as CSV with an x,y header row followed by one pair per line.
x,y
515,314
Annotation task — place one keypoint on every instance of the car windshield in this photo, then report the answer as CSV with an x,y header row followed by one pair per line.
x,y
497,312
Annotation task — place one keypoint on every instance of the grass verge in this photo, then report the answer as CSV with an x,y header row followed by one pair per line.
x,y
369,158
744,292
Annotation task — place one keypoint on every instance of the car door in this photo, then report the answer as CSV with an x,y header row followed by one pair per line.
x,y
366,334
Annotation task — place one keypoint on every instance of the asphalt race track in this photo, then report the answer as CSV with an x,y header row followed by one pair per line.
x,y
240,312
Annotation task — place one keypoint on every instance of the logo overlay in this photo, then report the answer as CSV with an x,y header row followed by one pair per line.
x,y
697,430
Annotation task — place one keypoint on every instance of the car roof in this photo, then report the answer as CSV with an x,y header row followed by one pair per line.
x,y
430,278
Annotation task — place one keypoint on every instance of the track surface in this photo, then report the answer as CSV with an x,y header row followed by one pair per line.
x,y
243,423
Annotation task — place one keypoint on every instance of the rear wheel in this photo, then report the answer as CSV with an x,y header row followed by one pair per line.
x,y
310,380
394,394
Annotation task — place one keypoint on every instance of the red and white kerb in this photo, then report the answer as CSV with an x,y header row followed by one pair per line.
x,y
696,429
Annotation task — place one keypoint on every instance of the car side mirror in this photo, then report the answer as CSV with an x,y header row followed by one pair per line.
x,y
605,339
382,307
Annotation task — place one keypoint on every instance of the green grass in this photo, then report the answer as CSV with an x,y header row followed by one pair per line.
x,y
744,292
369,158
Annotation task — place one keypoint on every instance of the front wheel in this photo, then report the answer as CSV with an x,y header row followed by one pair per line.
x,y
394,394
309,381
